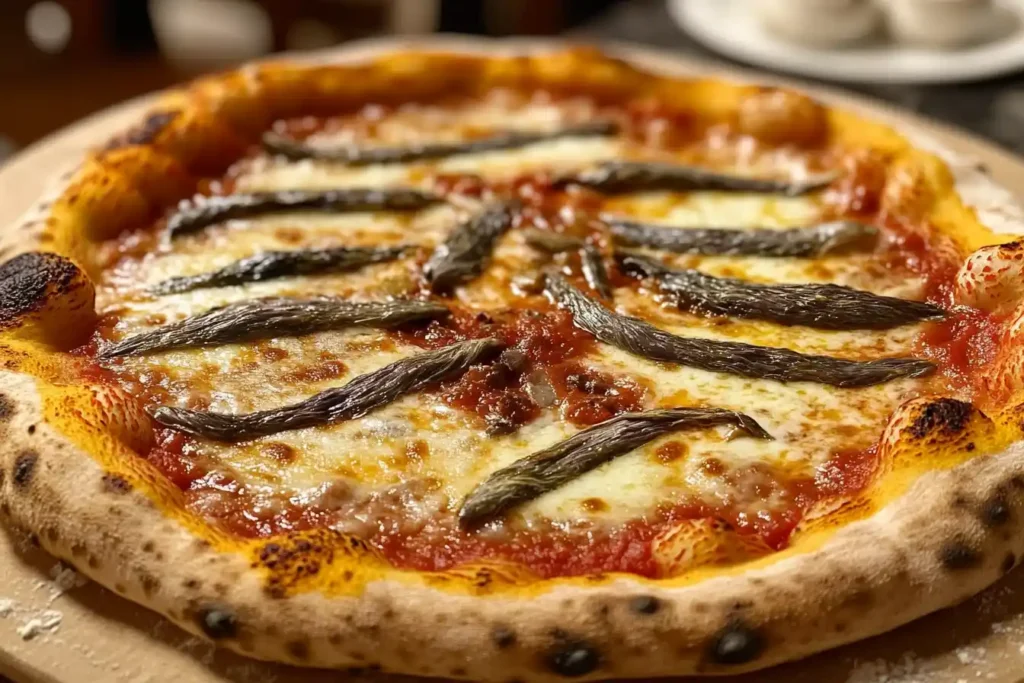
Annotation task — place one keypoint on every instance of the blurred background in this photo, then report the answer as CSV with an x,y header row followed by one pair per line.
x,y
63,59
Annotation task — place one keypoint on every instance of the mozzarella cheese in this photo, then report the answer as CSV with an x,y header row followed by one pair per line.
x,y
421,441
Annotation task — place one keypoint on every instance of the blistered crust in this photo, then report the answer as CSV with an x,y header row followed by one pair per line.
x,y
69,474
953,533
46,296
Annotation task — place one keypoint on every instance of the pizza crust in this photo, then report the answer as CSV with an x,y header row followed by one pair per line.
x,y
950,535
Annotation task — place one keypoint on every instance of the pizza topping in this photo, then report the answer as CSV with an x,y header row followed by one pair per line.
x,y
202,212
355,399
616,177
553,467
810,241
591,260
462,255
364,156
551,242
271,265
782,365
273,317
827,307
594,272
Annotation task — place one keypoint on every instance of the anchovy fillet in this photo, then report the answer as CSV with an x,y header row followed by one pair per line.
x,y
362,395
594,272
364,156
272,317
591,260
461,257
551,468
272,265
202,212
824,306
616,177
734,358
814,240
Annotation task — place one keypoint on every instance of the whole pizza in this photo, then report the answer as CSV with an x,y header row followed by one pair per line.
x,y
517,367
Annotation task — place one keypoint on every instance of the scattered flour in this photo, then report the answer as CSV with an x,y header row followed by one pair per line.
x,y
47,622
6,607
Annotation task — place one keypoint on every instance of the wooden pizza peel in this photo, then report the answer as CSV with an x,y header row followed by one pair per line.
x,y
54,629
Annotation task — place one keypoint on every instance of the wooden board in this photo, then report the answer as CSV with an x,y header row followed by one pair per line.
x,y
102,637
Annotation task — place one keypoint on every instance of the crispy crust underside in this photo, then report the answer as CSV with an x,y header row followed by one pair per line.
x,y
70,476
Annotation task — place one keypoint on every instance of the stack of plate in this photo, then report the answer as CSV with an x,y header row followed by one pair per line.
x,y
879,41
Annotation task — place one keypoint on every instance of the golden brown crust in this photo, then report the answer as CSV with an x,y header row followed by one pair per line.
x,y
69,473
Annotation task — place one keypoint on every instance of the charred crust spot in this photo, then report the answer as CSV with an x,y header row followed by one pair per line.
x,y
970,446
645,604
150,584
217,622
503,637
737,643
26,279
958,555
148,547
146,132
31,430
945,414
191,584
115,483
995,512
24,468
7,408
1008,562
298,649
571,656
296,557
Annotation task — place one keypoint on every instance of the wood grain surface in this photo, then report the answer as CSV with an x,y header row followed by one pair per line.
x,y
102,637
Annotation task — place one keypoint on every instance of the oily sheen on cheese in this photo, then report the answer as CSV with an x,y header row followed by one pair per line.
x,y
424,455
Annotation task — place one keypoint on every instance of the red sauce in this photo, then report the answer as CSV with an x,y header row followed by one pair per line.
x,y
962,345
589,396
174,455
497,392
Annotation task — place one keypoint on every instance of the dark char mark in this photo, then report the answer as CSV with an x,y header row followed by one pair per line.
x,y
272,317
551,468
759,362
272,265
364,156
616,177
826,306
201,212
810,241
461,257
362,395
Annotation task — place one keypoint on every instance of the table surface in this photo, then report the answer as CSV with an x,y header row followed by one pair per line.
x,y
105,638
993,109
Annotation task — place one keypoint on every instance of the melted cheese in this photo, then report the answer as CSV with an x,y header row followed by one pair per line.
x,y
421,439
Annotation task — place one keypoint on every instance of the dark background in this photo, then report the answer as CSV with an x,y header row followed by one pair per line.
x,y
61,60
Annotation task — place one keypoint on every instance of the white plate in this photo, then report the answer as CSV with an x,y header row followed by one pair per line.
x,y
730,27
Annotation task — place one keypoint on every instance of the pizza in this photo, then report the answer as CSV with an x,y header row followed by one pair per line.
x,y
517,367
